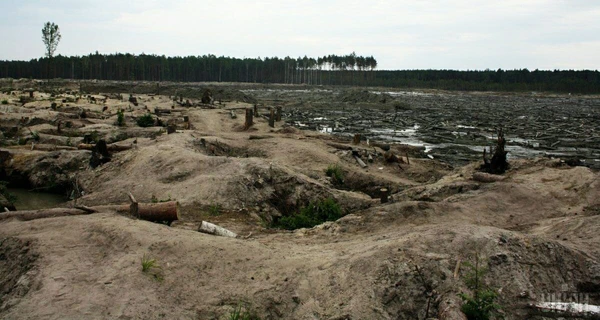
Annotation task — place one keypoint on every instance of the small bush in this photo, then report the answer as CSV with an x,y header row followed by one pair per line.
x,y
314,214
242,313
35,135
482,304
149,264
214,210
4,101
336,173
120,118
145,121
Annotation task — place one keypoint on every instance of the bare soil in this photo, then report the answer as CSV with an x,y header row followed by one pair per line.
x,y
538,229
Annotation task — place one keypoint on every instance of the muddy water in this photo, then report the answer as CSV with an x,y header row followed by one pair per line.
x,y
31,200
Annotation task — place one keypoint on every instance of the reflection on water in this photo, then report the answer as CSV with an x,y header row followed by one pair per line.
x,y
31,200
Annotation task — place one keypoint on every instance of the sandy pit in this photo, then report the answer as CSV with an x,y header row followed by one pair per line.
x,y
536,230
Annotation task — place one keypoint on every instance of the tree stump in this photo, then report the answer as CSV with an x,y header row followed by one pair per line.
x,y
356,139
249,118
278,116
383,193
256,110
272,118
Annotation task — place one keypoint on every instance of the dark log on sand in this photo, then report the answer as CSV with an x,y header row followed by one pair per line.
x,y
110,147
155,212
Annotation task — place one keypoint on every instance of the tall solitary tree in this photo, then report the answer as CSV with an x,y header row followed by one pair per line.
x,y
51,37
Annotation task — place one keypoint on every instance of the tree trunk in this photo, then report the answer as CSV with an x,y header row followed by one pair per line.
x,y
209,228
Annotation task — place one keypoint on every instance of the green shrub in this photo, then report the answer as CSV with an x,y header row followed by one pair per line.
x,y
150,266
120,118
35,135
314,214
145,121
482,304
336,173
214,210
4,101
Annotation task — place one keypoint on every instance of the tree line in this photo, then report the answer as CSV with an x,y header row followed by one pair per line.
x,y
348,70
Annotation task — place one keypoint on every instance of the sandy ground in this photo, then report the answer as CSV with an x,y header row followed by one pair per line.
x,y
538,230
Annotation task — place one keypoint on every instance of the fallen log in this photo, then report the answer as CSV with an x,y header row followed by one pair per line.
x,y
27,215
209,228
111,147
154,212
487,177
50,147
360,162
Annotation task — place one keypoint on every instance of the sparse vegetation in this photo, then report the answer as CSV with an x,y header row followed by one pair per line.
x,y
336,173
482,304
4,101
214,209
145,121
120,118
150,266
242,313
313,214
35,136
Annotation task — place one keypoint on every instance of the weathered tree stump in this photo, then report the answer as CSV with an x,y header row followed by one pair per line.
x,y
249,118
356,139
383,194
256,110
278,115
498,163
272,118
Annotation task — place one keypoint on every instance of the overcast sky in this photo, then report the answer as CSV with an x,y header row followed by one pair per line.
x,y
423,34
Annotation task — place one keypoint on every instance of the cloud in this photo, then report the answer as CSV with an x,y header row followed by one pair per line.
x,y
454,34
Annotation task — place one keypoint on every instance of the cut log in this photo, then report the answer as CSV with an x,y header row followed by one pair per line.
x,y
487,177
360,162
111,147
46,147
209,228
158,212
26,215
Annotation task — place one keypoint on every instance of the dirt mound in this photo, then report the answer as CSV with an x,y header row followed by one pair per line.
x,y
17,270
356,96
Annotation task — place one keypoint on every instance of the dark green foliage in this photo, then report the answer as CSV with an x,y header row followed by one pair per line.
x,y
336,173
35,136
328,70
4,101
314,214
4,191
214,210
481,305
120,118
145,121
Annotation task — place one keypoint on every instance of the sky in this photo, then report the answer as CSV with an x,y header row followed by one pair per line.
x,y
400,34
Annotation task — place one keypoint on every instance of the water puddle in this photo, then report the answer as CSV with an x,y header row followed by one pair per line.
x,y
32,200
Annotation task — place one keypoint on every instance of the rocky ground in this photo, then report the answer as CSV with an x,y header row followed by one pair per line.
x,y
536,231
